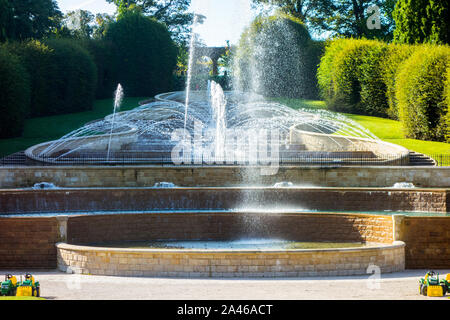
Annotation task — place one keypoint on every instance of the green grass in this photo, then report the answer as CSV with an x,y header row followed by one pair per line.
x,y
385,129
38,130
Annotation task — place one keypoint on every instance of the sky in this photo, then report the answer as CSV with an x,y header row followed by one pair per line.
x,y
226,19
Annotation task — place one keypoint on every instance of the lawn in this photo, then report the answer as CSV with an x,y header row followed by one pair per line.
x,y
385,129
38,130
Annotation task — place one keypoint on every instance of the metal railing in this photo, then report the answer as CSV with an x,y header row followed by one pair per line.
x,y
321,159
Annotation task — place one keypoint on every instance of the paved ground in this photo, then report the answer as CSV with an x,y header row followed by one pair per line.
x,y
400,285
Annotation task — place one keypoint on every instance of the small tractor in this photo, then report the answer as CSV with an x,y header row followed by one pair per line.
x,y
431,286
28,287
9,286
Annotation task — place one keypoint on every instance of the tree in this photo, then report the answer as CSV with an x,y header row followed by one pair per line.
x,y
25,19
419,21
144,53
80,23
340,18
174,13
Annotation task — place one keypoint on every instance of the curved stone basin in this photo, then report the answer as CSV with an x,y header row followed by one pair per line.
x,y
230,263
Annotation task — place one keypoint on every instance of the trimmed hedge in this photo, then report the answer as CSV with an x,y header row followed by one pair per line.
x,y
38,60
350,77
403,82
145,55
102,52
276,57
390,66
447,101
14,94
74,81
420,93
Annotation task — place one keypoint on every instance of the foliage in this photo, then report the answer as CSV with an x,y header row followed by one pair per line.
x,y
390,66
144,54
447,101
347,18
173,13
25,19
274,58
420,93
38,60
14,97
73,83
349,77
102,51
420,21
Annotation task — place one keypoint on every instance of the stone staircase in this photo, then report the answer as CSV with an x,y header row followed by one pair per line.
x,y
419,159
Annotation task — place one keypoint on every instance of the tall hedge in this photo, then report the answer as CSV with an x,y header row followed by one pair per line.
x,y
390,66
145,54
423,109
276,57
38,60
422,21
74,82
102,52
447,101
14,94
350,77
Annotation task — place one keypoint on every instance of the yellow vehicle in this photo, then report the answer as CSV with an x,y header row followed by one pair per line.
x,y
29,287
9,286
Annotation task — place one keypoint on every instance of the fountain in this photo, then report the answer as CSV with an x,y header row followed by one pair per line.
x,y
125,220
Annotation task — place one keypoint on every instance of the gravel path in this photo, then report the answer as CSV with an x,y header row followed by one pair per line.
x,y
394,286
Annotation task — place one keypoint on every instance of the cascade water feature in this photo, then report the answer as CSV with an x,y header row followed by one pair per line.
x,y
218,105
118,97
189,70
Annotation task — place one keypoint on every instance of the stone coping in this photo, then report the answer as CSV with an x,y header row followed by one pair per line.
x,y
343,189
370,246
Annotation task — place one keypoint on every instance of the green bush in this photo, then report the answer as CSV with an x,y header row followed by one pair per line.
x,y
102,52
276,57
420,93
14,94
447,101
145,55
325,72
373,88
390,65
38,60
422,21
74,81
350,79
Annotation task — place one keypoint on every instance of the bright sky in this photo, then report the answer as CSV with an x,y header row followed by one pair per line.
x,y
226,19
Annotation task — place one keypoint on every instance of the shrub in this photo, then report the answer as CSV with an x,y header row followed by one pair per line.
x,y
75,78
326,69
447,102
14,94
37,58
107,78
420,93
421,21
145,55
276,58
390,65
373,88
350,78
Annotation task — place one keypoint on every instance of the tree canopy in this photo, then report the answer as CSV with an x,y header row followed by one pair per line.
x,y
174,13
339,18
25,19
